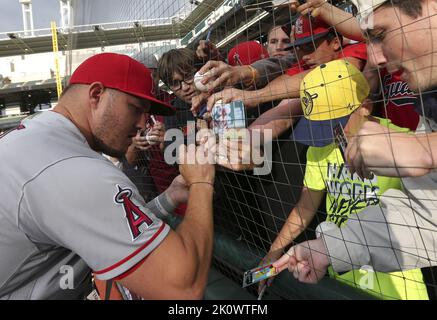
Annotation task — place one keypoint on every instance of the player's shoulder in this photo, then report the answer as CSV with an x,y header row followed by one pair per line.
x,y
85,165
48,131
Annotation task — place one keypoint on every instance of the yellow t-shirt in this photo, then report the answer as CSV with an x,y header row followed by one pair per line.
x,y
348,194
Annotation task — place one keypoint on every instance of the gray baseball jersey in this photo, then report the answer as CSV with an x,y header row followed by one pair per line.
x,y
66,209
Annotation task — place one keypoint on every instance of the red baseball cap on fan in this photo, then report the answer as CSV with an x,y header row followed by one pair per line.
x,y
246,53
308,29
121,72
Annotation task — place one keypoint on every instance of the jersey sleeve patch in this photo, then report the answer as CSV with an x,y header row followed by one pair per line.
x,y
137,220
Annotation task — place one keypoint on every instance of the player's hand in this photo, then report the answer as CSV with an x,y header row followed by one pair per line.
x,y
178,191
196,164
270,257
308,261
238,154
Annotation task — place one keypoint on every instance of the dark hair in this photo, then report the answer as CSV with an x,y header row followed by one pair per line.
x,y
412,8
332,35
180,60
279,27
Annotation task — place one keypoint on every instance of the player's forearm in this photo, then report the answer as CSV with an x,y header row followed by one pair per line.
x,y
196,234
344,22
180,264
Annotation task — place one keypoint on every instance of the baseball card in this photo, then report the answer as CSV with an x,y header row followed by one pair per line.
x,y
226,117
258,274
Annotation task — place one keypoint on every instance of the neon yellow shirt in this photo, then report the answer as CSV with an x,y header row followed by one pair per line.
x,y
348,194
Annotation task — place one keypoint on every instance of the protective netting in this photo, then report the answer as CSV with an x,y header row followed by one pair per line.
x,y
250,210
260,216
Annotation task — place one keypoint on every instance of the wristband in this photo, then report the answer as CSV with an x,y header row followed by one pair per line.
x,y
211,184
161,206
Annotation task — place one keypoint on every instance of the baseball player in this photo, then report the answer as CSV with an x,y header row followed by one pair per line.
x,y
67,210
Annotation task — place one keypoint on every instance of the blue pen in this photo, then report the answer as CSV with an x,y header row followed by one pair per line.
x,y
208,35
202,111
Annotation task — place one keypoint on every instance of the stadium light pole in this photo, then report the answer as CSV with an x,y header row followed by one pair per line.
x,y
26,8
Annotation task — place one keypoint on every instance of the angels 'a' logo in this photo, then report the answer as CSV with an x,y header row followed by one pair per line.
x,y
137,220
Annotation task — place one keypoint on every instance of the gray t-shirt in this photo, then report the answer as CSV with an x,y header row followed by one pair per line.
x,y
65,210
271,68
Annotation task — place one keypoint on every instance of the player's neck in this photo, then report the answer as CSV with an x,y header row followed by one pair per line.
x,y
79,119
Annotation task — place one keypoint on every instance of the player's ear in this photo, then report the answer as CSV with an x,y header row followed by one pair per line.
x,y
95,92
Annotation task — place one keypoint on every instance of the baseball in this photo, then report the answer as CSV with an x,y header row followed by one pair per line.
x,y
198,82
152,140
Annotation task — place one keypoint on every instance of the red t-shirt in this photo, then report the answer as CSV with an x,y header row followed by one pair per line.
x,y
358,51
398,101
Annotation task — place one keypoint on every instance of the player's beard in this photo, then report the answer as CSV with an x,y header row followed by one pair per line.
x,y
106,129
104,138
104,148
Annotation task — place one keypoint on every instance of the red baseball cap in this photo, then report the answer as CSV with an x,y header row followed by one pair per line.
x,y
246,53
121,72
308,29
